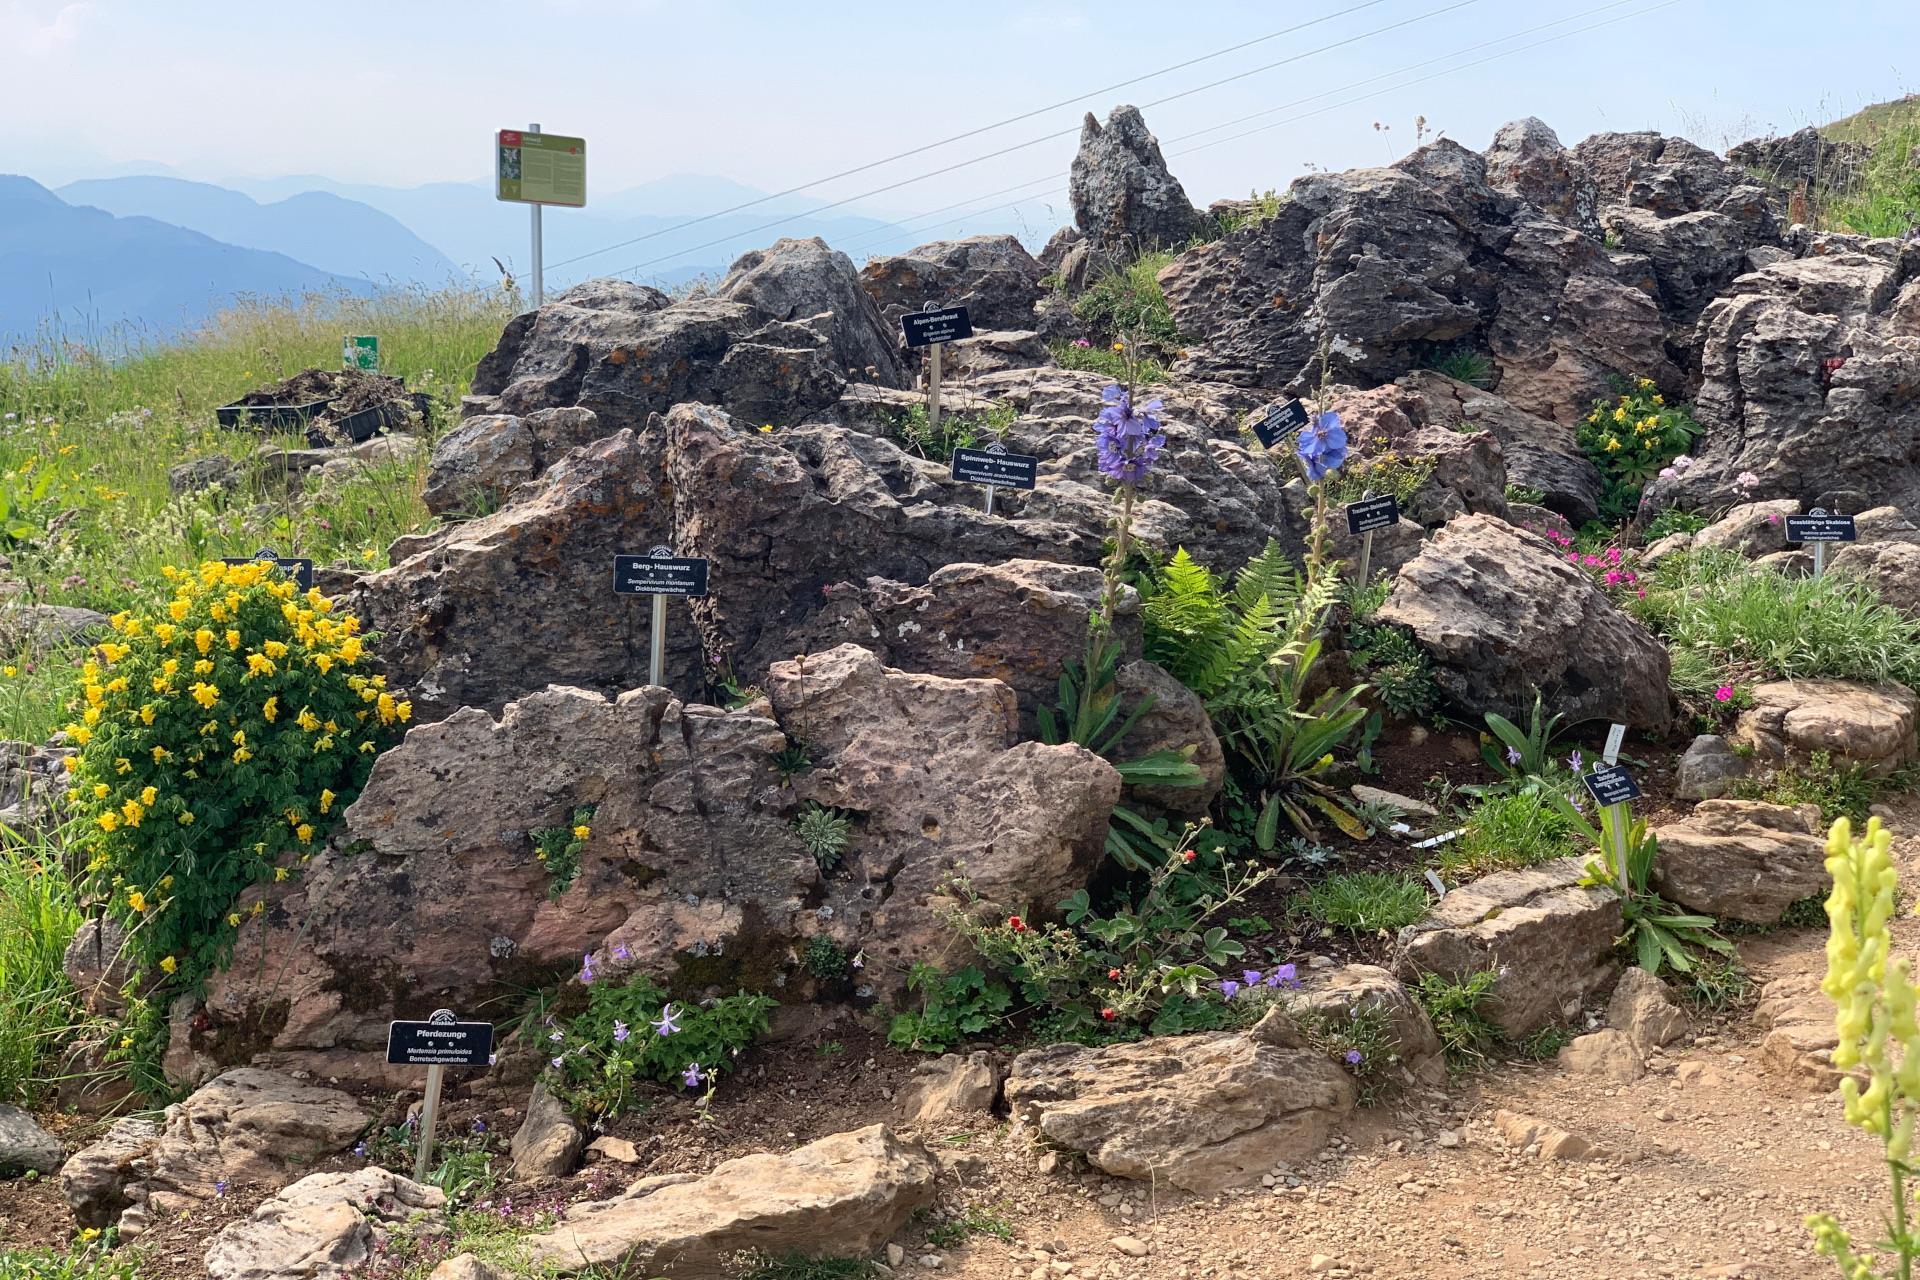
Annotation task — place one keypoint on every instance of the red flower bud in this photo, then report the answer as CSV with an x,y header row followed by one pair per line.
x,y
1188,856
1016,924
1108,1014
1113,975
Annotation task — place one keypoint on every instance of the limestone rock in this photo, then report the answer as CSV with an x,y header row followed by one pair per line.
x,y
1548,1141
1504,616
796,279
548,1142
247,1127
1868,725
467,1267
1742,859
949,1086
1348,991
1203,1112
96,965
1176,720
477,464
994,277
1800,1039
1707,768
1607,1053
323,1227
1640,1008
1527,160
995,351
1549,938
25,1147
1750,529
1535,452
1892,569
840,1196
39,627
95,1181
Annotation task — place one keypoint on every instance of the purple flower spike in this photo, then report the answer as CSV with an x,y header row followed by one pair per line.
x,y
1130,442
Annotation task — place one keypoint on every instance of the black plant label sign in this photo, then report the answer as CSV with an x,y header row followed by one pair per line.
x,y
995,469
948,324
440,1041
1611,784
659,574
1370,514
1818,526
295,567
1279,422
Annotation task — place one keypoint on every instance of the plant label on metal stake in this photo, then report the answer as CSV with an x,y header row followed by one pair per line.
x,y
933,327
1613,789
298,568
1819,527
1277,423
1616,738
1366,516
995,468
440,1042
659,574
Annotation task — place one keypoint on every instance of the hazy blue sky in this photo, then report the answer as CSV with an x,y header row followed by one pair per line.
x,y
773,94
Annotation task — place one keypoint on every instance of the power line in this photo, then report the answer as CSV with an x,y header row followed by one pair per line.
x,y
1060,190
865,237
1009,150
971,133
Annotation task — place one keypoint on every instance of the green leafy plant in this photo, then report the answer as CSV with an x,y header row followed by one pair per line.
x,y
955,430
1130,303
1507,829
1660,933
792,760
631,1035
1261,206
1630,441
39,911
1458,1010
968,1224
1546,1043
1111,361
1523,757
826,832
953,1007
88,1261
558,849
1386,473
217,738
1292,755
1672,520
1839,790
1520,493
798,1266
1397,668
1364,901
1475,368
826,959
1363,1042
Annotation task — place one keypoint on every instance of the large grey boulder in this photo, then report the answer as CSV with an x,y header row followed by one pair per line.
x,y
477,464
1504,616
24,1146
1202,1112
841,1196
1548,938
799,280
994,277
248,1127
324,1227
1742,860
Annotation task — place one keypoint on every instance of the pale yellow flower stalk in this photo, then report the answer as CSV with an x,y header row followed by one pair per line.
x,y
1874,1003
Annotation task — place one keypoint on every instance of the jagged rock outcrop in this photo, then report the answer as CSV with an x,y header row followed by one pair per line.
x,y
1548,938
1202,1112
1809,388
1526,159
842,1196
477,464
245,1128
809,282
482,612
693,872
1503,615
1802,164
1388,269
1125,201
994,277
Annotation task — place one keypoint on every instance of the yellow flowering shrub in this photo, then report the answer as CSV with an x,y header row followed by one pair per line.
x,y
215,736
1873,996
1630,441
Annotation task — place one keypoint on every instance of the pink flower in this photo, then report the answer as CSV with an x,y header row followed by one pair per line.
x,y
1723,694
1613,577
1773,519
1082,343
1668,473
1613,555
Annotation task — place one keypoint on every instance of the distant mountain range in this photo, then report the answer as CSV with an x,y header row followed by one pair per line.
x,y
156,253
93,277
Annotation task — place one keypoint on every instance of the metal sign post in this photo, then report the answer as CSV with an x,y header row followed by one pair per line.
x,y
440,1042
659,574
933,391
539,245
1364,517
933,326
1613,788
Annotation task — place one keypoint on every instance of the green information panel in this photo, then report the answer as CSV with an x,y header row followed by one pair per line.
x,y
360,351
540,168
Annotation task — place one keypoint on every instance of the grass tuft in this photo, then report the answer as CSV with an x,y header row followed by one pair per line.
x,y
1364,901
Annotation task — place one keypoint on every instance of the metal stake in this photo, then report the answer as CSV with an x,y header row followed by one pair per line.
x,y
933,388
539,250
1819,559
1366,556
429,1117
657,657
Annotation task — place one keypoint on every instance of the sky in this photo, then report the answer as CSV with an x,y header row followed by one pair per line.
x,y
774,94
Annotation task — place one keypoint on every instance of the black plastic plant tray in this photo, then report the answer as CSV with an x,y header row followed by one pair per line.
x,y
270,417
